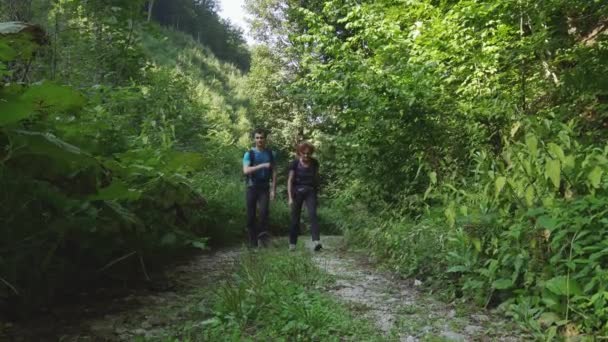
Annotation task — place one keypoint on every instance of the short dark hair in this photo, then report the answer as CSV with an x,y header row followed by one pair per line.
x,y
260,131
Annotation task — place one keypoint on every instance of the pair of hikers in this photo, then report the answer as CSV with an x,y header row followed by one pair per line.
x,y
260,168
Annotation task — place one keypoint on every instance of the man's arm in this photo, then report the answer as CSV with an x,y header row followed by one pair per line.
x,y
251,169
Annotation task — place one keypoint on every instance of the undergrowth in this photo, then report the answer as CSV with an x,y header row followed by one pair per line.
x,y
276,296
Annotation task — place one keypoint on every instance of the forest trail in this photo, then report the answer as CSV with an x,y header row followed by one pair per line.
x,y
396,306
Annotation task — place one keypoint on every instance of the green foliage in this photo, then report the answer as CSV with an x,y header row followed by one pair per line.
x,y
105,163
465,139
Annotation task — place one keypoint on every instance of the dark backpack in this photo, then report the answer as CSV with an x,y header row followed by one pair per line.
x,y
252,163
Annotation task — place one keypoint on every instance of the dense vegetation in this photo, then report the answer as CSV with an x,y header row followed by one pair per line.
x,y
200,19
465,141
115,137
462,142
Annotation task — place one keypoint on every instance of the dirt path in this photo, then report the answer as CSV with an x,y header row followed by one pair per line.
x,y
398,308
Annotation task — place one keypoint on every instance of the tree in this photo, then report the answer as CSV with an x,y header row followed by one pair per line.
x,y
150,9
16,10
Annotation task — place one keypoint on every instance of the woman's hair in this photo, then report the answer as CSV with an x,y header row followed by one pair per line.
x,y
305,145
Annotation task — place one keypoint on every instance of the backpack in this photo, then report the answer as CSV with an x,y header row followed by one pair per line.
x,y
249,177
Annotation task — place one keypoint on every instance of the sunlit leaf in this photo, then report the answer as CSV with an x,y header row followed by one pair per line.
x,y
529,195
557,151
553,172
499,185
595,176
563,286
532,144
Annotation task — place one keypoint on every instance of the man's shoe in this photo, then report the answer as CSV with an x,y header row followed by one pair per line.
x,y
318,246
292,246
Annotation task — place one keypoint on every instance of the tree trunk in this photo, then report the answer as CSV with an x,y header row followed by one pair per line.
x,y
150,9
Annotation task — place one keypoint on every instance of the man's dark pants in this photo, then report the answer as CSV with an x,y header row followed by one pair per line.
x,y
257,195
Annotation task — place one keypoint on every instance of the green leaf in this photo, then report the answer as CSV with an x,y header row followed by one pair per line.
x,y
44,156
502,284
50,96
199,244
562,286
122,214
499,185
13,109
595,177
433,177
569,162
168,239
7,53
450,214
46,97
183,161
427,192
477,244
457,269
548,318
515,128
529,195
553,172
547,222
557,151
118,190
532,144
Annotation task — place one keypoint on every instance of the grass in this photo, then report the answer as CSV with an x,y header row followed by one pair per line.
x,y
279,296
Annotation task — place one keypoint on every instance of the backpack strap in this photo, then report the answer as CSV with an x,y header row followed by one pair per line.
x,y
271,157
251,157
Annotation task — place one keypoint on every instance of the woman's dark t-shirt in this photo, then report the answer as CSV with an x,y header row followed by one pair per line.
x,y
304,176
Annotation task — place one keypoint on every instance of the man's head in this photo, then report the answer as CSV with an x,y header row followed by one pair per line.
x,y
259,135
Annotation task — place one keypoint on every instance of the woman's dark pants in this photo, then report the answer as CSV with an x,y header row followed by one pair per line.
x,y
257,195
310,198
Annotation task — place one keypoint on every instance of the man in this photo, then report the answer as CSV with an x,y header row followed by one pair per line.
x,y
259,168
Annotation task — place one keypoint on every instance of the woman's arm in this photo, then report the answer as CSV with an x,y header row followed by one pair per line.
x,y
273,186
289,186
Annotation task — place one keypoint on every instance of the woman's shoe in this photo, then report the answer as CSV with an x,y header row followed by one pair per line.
x,y
318,246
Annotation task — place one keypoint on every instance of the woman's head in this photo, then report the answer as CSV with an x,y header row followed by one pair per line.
x,y
305,150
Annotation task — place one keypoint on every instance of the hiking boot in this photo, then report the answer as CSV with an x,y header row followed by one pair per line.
x,y
292,246
318,246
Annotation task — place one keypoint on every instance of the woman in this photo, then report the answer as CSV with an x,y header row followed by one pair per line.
x,y
302,186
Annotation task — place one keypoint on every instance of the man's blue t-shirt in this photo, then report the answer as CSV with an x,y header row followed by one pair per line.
x,y
260,176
